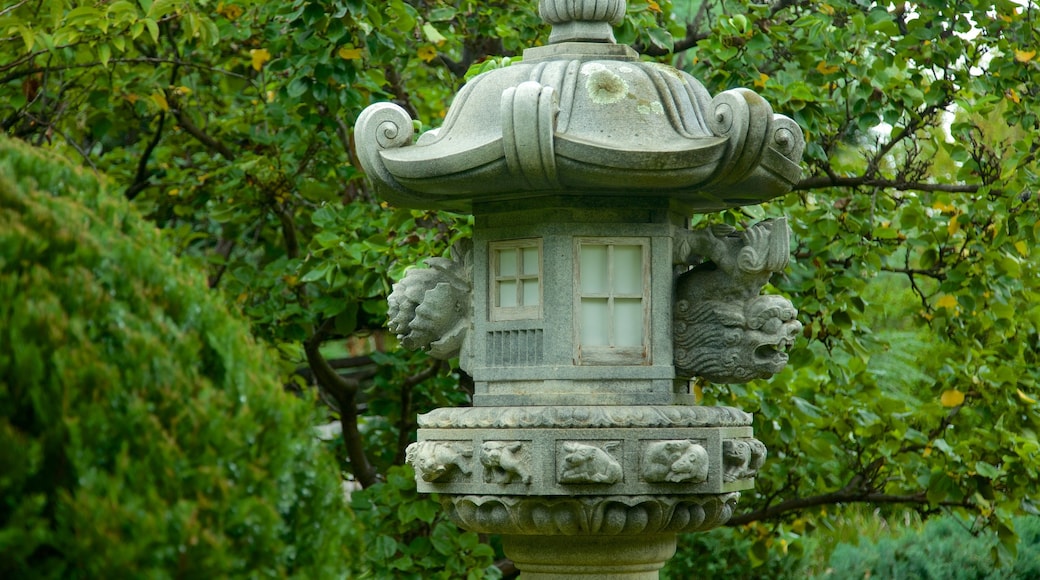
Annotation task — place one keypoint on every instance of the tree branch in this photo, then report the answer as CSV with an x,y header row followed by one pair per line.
x,y
224,248
13,7
137,60
693,36
344,391
141,178
844,495
822,181
406,422
192,129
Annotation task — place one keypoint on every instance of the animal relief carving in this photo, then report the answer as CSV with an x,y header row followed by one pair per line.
x,y
504,462
589,464
675,462
742,458
436,460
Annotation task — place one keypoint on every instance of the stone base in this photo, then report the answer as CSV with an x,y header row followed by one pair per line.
x,y
586,451
589,557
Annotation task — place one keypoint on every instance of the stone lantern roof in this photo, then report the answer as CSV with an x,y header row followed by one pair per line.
x,y
584,116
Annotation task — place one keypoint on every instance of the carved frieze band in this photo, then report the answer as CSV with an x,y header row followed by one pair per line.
x,y
596,515
586,416
598,463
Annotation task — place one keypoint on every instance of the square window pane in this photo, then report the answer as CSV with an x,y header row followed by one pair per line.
x,y
628,270
593,269
506,262
530,292
595,321
628,322
507,294
530,261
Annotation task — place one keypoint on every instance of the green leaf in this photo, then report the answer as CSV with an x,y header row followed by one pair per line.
x,y
432,34
160,8
986,470
153,28
385,547
317,273
445,538
661,38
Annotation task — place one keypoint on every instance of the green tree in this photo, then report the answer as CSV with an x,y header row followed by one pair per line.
x,y
143,432
229,125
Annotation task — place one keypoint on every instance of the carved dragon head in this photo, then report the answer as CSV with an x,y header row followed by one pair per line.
x,y
771,332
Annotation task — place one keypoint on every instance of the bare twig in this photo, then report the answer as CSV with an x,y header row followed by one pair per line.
x,y
13,8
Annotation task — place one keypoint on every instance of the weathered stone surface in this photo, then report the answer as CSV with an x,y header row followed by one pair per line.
x,y
724,330
430,308
581,461
591,416
621,515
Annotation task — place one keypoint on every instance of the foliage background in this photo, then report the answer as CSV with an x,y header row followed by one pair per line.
x,y
229,125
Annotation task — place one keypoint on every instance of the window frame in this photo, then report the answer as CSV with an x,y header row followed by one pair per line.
x,y
611,354
498,313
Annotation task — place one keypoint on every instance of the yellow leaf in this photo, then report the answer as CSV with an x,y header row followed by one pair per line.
x,y
1025,398
230,12
954,226
944,207
1024,56
654,6
349,52
160,100
761,82
259,56
427,53
948,302
826,70
1013,95
952,398
1022,248
827,9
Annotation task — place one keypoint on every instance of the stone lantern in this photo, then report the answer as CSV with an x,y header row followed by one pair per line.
x,y
584,305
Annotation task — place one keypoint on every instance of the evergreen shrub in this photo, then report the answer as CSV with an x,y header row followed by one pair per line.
x,y
943,549
143,433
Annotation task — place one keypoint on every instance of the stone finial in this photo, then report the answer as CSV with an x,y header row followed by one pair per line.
x,y
582,20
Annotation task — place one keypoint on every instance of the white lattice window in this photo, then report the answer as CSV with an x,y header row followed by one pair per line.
x,y
516,279
613,300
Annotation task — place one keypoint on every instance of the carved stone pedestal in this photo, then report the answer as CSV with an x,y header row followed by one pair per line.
x,y
589,557
587,492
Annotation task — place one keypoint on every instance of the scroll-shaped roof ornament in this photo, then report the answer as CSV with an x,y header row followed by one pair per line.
x,y
584,116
